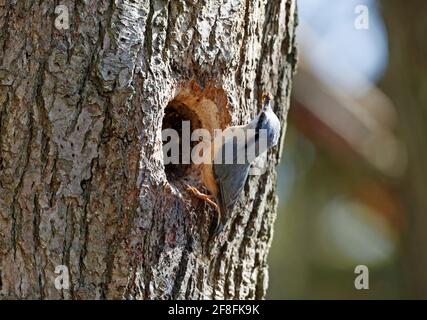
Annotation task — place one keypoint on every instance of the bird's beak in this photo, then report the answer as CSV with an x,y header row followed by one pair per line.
x,y
267,101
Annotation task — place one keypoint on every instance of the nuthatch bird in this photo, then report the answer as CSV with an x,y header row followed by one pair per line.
x,y
225,181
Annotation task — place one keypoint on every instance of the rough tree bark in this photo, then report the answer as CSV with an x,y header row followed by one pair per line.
x,y
82,182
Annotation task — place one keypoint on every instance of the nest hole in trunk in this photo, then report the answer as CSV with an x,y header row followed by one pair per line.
x,y
204,109
176,114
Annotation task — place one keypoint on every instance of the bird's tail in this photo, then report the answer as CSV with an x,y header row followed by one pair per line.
x,y
219,221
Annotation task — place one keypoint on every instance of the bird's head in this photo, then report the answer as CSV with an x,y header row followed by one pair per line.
x,y
267,120
267,97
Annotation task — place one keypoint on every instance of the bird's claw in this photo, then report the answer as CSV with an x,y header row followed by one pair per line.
x,y
208,198
198,194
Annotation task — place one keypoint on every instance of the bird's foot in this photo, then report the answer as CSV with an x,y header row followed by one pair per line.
x,y
206,197
218,226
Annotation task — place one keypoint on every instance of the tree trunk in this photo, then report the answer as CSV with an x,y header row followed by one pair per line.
x,y
406,84
82,180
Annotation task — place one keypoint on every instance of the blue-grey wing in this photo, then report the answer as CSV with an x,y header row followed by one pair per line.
x,y
231,175
231,179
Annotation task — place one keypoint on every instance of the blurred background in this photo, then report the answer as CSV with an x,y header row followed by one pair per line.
x,y
353,176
